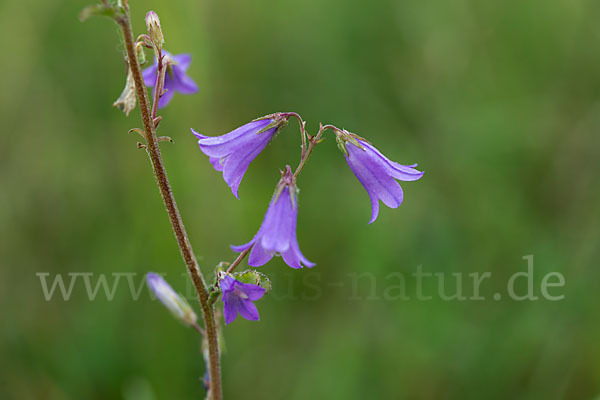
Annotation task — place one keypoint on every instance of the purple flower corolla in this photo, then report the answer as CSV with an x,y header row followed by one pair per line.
x,y
176,304
176,79
277,234
233,152
238,298
375,171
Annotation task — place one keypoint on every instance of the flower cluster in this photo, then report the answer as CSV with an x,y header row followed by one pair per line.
x,y
233,152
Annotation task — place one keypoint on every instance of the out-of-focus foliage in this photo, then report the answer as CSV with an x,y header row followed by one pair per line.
x,y
498,101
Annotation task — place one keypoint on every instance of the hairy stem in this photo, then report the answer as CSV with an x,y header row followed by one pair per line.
x,y
171,206
312,142
158,87
239,259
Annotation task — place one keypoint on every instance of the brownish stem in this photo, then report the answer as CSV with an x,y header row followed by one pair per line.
x,y
171,206
158,87
239,259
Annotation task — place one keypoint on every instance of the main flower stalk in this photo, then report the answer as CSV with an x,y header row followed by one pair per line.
x,y
183,242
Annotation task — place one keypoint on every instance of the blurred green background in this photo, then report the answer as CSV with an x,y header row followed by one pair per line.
x,y
498,101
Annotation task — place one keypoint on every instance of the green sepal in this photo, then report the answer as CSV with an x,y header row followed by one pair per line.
x,y
341,144
221,267
255,278
140,54
342,137
213,294
275,124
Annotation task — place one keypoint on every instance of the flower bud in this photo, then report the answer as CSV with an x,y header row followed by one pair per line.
x,y
139,49
154,30
176,304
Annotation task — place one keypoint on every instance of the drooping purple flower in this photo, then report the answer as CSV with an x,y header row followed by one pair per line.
x,y
238,298
277,234
233,152
176,79
176,304
375,171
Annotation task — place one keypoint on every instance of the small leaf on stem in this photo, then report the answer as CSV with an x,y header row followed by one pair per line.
x,y
98,10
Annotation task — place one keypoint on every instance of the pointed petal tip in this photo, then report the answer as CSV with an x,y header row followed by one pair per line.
x,y
198,135
374,216
374,207
305,264
234,190
241,247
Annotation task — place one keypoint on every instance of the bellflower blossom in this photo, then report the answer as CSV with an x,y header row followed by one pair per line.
x,y
375,171
233,152
170,299
238,297
176,79
277,234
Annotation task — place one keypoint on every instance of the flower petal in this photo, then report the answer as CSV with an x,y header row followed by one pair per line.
x,y
181,82
237,162
220,146
248,310
217,162
374,206
199,135
398,171
280,223
242,247
182,60
291,258
149,75
227,283
231,307
254,126
259,256
303,259
294,257
166,98
254,292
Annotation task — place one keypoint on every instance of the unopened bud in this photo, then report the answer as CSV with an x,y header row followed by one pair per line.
x,y
154,30
139,48
176,304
